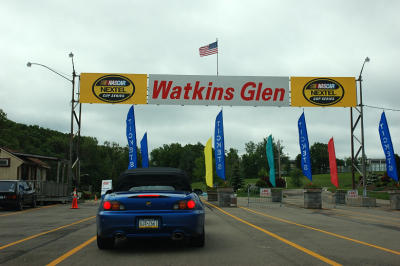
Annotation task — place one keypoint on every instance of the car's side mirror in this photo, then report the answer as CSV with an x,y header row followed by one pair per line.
x,y
198,191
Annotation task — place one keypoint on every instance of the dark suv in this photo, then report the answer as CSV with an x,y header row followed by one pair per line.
x,y
16,193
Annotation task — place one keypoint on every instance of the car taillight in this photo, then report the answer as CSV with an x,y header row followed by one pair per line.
x,y
113,206
12,197
184,205
191,204
148,196
107,205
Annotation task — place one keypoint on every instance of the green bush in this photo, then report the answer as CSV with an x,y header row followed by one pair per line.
x,y
87,195
261,183
295,176
221,183
312,185
280,182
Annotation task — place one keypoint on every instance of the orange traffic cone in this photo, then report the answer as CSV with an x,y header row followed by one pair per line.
x,y
74,201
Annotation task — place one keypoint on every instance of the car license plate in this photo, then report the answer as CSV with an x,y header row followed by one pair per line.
x,y
148,223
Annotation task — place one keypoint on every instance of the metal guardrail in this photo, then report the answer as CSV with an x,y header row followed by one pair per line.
x,y
273,196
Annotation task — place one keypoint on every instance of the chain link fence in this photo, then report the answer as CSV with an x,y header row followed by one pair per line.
x,y
261,197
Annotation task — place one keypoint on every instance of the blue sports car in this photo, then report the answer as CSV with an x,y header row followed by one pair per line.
x,y
151,203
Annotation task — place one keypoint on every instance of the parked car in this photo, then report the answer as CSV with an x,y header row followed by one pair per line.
x,y
151,203
16,194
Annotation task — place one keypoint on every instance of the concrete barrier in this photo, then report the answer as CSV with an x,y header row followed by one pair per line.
x,y
225,196
340,196
361,201
312,198
276,194
328,197
212,195
394,199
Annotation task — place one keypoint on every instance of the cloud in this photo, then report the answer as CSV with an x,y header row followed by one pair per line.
x,y
256,38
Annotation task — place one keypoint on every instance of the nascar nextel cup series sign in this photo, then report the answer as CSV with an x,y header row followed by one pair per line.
x,y
218,90
113,88
323,91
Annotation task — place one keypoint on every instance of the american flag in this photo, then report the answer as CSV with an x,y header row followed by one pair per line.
x,y
212,48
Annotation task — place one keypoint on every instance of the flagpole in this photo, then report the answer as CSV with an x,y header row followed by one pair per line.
x,y
217,57
279,159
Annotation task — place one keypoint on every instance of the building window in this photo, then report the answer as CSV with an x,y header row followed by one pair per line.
x,y
4,162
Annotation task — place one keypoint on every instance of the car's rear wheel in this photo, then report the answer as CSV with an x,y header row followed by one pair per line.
x,y
105,242
20,206
33,202
198,241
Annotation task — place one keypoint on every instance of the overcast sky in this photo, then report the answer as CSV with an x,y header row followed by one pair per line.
x,y
256,38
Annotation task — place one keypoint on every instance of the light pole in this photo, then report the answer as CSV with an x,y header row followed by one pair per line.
x,y
71,165
363,161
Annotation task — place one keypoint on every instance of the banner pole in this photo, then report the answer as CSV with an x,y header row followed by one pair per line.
x,y
279,159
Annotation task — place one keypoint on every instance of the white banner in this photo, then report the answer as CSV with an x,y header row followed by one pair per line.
x,y
265,192
218,90
352,193
105,185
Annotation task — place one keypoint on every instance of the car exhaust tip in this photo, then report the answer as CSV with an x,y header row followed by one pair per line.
x,y
120,236
177,236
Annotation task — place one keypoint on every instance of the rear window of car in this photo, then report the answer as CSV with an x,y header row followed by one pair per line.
x,y
7,186
152,182
152,188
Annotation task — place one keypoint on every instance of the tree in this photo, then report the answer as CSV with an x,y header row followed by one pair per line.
x,y
295,176
232,159
298,161
188,157
319,158
248,166
236,179
174,155
199,172
254,162
3,115
397,161
166,156
340,162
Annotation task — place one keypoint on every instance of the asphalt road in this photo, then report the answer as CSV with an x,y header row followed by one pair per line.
x,y
275,234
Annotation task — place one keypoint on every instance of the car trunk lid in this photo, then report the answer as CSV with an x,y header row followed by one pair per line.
x,y
148,200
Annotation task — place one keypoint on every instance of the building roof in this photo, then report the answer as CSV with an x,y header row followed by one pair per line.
x,y
38,162
31,159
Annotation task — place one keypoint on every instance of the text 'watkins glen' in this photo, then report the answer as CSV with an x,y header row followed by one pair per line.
x,y
222,90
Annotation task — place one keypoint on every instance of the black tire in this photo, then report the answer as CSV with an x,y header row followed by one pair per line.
x,y
33,202
105,242
20,206
198,241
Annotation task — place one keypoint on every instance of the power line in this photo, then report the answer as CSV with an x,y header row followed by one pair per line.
x,y
382,108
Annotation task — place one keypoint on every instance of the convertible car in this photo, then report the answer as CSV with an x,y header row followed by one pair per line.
x,y
151,203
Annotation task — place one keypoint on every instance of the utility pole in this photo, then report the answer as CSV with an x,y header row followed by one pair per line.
x,y
74,144
73,160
